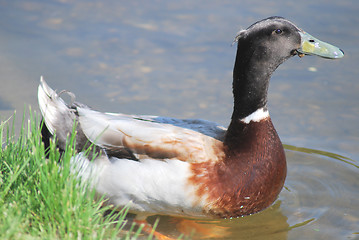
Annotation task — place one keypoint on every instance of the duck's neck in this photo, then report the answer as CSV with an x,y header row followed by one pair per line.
x,y
251,75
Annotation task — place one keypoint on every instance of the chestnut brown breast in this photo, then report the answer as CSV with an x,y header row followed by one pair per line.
x,y
250,176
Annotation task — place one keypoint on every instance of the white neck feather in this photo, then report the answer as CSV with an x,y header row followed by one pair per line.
x,y
256,116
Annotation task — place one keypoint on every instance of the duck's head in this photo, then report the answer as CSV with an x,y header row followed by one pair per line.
x,y
278,38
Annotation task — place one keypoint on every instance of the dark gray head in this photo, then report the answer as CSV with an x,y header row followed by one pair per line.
x,y
280,38
273,39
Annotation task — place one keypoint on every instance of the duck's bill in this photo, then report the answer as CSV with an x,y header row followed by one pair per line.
x,y
313,46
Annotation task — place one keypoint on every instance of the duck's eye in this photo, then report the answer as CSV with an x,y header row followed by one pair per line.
x,y
278,31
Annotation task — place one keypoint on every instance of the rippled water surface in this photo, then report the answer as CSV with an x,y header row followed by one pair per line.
x,y
175,58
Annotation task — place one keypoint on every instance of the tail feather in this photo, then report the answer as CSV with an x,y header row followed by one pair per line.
x,y
59,118
52,107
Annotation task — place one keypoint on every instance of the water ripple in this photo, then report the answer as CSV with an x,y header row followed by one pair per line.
x,y
321,191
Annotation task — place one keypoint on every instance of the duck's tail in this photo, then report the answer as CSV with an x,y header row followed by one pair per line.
x,y
59,118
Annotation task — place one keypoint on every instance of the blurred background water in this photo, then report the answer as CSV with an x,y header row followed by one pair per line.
x,y
175,58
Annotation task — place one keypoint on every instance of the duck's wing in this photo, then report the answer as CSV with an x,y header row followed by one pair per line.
x,y
129,136
153,137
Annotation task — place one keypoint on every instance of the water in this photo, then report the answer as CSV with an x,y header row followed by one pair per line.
x,y
175,59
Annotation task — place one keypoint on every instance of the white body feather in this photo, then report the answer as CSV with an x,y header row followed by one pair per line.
x,y
147,187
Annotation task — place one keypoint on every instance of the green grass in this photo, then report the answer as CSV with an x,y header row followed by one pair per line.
x,y
40,199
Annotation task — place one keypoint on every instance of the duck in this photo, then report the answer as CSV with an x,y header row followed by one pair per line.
x,y
190,167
